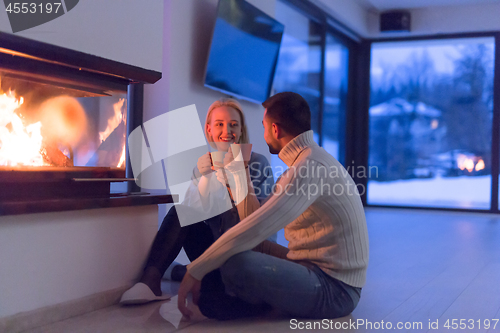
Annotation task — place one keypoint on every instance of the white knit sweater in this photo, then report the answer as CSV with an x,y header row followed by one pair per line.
x,y
316,202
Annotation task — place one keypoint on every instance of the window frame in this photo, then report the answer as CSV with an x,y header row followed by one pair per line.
x,y
495,144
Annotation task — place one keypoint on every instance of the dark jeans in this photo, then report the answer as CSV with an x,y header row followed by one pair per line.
x,y
195,238
260,281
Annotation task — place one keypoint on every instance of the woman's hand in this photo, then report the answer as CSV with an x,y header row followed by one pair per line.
x,y
205,164
188,285
231,164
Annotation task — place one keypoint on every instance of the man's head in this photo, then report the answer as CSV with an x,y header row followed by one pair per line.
x,y
287,115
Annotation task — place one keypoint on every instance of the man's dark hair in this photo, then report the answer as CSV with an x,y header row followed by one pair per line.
x,y
290,111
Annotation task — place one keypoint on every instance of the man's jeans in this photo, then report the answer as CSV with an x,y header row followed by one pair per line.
x,y
301,289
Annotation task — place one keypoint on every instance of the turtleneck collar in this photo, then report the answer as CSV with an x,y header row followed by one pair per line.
x,y
292,149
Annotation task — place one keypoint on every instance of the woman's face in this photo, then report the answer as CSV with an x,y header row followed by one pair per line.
x,y
224,127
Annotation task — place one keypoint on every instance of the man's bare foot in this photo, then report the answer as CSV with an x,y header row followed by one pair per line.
x,y
152,278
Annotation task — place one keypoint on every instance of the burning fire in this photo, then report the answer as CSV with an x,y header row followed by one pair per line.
x,y
466,163
121,163
480,165
113,122
20,145
57,135
62,121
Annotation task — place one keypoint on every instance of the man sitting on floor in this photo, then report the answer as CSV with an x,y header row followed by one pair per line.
x,y
322,272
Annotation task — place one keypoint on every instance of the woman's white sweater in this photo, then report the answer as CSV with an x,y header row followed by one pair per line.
x,y
317,203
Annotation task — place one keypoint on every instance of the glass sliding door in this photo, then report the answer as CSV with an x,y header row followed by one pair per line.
x,y
431,111
335,97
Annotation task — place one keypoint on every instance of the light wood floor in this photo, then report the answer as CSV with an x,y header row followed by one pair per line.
x,y
424,267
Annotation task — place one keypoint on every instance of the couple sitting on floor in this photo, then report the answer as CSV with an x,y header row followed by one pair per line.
x,y
235,270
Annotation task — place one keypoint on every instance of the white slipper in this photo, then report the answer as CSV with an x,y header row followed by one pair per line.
x,y
140,293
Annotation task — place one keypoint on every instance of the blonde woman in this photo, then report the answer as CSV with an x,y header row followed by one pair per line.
x,y
224,125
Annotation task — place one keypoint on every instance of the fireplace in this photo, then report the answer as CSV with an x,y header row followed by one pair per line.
x,y
64,121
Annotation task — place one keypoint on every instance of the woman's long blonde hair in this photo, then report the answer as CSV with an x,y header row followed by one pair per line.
x,y
228,102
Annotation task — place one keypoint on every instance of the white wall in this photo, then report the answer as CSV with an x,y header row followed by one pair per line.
x,y
424,21
471,18
50,258
446,20
349,12
127,31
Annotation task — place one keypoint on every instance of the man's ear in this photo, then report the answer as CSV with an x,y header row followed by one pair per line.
x,y
276,131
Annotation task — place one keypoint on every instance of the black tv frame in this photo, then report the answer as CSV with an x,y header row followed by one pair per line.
x,y
230,93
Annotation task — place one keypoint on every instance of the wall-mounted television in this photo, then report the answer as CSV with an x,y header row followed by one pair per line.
x,y
244,51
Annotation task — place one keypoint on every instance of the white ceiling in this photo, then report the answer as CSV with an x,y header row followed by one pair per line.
x,y
382,5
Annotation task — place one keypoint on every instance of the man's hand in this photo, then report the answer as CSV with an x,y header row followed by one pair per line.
x,y
188,285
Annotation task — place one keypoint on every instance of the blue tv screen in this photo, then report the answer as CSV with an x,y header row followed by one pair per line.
x,y
244,51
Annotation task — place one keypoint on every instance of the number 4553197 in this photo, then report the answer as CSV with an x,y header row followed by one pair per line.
x,y
32,8
455,324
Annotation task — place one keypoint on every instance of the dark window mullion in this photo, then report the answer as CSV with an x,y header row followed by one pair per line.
x,y
360,121
321,102
495,134
349,149
135,105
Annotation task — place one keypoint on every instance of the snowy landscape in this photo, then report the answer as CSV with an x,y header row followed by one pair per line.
x,y
453,192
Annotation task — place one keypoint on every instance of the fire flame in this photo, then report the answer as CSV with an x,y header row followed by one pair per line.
x,y
19,144
480,165
466,163
121,163
113,122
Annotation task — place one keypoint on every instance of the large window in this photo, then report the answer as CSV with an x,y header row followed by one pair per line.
x,y
314,63
430,131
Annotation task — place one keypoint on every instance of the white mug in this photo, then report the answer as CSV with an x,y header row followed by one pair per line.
x,y
241,152
218,159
